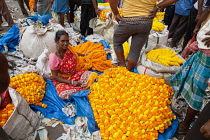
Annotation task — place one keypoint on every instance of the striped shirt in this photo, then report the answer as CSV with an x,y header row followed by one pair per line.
x,y
137,8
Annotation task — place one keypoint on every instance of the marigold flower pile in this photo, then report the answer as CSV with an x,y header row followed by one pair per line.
x,y
165,57
104,14
31,86
6,113
130,106
160,15
157,25
96,58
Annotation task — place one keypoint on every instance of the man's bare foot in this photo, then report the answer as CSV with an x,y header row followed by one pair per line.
x,y
182,130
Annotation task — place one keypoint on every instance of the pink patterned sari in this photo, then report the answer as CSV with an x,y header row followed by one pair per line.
x,y
67,70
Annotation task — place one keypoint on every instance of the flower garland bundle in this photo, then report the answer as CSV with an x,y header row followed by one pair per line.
x,y
96,58
160,15
31,86
105,13
165,57
87,47
157,25
6,113
31,5
130,106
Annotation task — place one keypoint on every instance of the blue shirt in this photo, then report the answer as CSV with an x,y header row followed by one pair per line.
x,y
208,3
60,6
182,7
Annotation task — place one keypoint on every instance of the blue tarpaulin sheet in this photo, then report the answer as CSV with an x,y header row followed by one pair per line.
x,y
83,108
55,105
10,39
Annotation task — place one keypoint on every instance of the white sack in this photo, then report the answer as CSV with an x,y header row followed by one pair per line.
x,y
160,75
156,66
106,29
156,38
24,121
43,65
33,44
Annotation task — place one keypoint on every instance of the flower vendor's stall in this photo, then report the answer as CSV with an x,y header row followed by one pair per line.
x,y
119,105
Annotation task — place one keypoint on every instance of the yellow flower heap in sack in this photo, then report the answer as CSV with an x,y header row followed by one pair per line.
x,y
157,25
130,106
6,113
96,58
165,57
103,14
31,86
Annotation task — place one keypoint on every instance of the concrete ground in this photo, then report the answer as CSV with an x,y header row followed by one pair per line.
x,y
15,12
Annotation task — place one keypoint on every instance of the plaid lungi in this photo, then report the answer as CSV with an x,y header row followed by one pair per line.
x,y
191,80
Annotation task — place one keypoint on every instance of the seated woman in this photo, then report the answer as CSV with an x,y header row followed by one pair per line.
x,y
63,63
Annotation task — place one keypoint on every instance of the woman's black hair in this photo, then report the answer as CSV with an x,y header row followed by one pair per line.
x,y
59,34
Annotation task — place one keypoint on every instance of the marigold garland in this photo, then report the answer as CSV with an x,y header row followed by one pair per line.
x,y
157,25
160,15
6,113
104,14
130,106
31,5
165,57
96,58
31,86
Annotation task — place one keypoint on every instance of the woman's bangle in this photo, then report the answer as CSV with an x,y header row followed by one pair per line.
x,y
72,82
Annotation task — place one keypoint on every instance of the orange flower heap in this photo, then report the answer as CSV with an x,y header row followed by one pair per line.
x,y
6,113
130,106
31,86
96,58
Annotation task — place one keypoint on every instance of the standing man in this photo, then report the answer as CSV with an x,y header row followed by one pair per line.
x,y
89,10
180,20
22,7
136,21
4,12
73,4
42,7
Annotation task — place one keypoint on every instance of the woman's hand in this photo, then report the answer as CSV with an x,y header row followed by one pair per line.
x,y
75,83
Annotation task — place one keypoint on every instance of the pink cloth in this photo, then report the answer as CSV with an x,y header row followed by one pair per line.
x,y
54,62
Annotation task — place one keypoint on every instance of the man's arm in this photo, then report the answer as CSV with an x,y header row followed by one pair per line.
x,y
162,4
95,5
200,10
113,5
205,129
4,75
203,16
